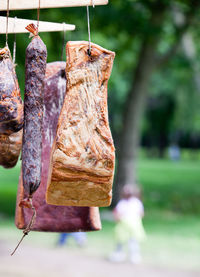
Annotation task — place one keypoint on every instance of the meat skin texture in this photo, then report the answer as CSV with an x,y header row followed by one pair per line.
x,y
83,154
10,147
11,106
49,217
36,55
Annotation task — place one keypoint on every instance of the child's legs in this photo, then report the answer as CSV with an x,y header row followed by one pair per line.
x,y
62,238
134,251
80,238
121,234
134,247
119,254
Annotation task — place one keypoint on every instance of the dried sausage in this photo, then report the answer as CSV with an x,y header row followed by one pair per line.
x,y
36,55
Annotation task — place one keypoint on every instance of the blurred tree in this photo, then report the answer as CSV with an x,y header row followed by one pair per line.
x,y
149,59
160,114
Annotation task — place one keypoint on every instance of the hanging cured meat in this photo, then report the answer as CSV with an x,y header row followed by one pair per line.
x,y
10,147
36,55
82,164
11,106
49,217
11,112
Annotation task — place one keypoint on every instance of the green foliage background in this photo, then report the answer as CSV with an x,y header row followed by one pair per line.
x,y
120,26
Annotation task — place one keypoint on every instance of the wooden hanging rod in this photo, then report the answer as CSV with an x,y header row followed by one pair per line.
x,y
17,25
33,4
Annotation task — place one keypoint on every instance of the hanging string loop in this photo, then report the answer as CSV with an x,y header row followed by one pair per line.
x,y
38,16
89,36
27,203
7,22
88,23
64,39
14,44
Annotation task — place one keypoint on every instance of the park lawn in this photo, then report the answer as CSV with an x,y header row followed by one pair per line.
x,y
167,185
170,186
173,241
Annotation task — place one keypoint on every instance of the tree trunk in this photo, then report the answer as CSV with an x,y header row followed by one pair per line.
x,y
130,137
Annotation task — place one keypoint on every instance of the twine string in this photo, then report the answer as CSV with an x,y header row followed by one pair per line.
x,y
89,35
14,44
88,23
28,228
63,44
7,15
38,16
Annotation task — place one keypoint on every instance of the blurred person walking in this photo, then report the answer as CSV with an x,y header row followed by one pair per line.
x,y
79,237
129,230
174,152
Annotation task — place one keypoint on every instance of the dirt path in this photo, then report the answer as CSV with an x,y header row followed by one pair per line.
x,y
42,262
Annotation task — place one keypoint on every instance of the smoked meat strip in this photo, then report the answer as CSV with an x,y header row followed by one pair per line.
x,y
83,154
11,112
49,217
11,105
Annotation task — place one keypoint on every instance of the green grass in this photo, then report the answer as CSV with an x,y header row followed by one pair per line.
x,y
8,189
171,186
167,186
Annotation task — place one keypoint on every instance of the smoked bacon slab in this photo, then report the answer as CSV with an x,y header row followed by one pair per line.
x,y
83,154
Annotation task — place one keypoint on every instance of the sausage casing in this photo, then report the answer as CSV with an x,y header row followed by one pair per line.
x,y
36,55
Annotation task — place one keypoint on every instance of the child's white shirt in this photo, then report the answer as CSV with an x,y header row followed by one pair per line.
x,y
130,209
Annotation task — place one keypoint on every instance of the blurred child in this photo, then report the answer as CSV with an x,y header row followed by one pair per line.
x,y
129,230
79,237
